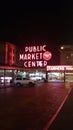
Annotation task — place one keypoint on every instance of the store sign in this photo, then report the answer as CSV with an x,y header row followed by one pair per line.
x,y
35,56
9,53
58,68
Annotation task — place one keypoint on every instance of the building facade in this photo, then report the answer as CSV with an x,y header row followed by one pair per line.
x,y
63,71
33,62
28,61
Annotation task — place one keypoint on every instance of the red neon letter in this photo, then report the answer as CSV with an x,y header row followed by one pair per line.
x,y
26,49
45,63
33,56
33,64
29,56
34,48
38,48
25,64
29,64
21,57
25,57
37,57
41,56
30,49
44,48
39,63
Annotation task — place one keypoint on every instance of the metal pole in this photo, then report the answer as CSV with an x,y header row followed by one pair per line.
x,y
64,75
46,77
4,77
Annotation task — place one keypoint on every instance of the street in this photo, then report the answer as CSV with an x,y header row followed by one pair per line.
x,y
30,108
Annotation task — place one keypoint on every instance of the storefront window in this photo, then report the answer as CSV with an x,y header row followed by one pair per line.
x,y
37,75
56,76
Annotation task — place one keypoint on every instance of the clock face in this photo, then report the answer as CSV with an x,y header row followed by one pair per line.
x,y
47,55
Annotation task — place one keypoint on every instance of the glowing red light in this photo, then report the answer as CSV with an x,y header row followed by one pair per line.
x,y
47,55
9,56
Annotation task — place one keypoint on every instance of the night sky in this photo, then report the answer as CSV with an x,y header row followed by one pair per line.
x,y
37,22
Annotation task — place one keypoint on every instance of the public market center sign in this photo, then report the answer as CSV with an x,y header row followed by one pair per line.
x,y
35,56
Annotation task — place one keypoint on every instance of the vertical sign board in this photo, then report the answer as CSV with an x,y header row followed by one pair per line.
x,y
9,53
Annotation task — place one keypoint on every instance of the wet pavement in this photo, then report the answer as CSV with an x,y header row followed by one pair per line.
x,y
64,120
30,108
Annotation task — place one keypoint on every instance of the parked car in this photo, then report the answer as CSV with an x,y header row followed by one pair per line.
x,y
19,81
36,78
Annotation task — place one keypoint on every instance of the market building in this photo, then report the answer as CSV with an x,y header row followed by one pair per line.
x,y
64,71
34,62
30,61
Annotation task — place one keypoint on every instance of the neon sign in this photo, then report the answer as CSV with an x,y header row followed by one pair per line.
x,y
9,53
35,48
35,56
58,68
47,55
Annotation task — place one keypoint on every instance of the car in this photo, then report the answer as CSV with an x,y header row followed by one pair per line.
x,y
19,81
36,78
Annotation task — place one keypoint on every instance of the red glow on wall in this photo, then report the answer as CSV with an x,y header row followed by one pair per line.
x,y
47,55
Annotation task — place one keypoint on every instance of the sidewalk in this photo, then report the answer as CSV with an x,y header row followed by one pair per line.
x,y
64,120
